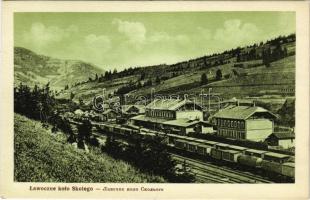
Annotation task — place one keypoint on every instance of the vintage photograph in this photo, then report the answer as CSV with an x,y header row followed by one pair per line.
x,y
154,97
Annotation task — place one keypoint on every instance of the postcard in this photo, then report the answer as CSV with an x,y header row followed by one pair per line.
x,y
155,100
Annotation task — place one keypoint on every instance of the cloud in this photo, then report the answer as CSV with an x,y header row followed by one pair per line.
x,y
41,36
101,43
168,39
134,31
234,33
204,33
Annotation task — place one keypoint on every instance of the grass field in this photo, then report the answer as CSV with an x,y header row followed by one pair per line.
x,y
41,156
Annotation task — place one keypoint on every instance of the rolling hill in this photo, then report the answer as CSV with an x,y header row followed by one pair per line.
x,y
31,68
245,73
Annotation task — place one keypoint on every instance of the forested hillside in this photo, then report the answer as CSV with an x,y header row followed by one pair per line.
x,y
257,69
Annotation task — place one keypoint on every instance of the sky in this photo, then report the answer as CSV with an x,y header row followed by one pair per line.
x,y
121,40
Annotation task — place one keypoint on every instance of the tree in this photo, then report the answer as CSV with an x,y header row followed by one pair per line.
x,y
84,130
218,75
142,76
157,80
267,57
204,79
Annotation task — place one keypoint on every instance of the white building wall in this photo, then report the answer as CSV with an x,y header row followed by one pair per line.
x,y
258,129
189,115
287,143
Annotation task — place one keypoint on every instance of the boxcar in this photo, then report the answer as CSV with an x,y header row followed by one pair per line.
x,y
192,146
237,148
288,169
210,143
249,161
180,144
203,149
221,146
231,155
216,153
276,157
254,152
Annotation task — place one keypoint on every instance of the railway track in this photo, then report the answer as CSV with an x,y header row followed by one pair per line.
x,y
231,176
206,171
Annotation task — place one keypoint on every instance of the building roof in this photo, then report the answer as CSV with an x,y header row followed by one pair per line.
x,y
169,104
148,119
276,155
141,108
256,151
242,112
181,122
284,135
290,164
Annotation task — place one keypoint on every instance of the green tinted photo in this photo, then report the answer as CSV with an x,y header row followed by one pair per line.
x,y
154,97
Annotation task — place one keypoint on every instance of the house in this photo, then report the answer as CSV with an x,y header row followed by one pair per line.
x,y
133,109
183,126
284,139
244,122
174,109
109,115
171,115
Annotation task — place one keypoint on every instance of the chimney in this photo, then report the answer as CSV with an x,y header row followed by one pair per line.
x,y
254,103
237,103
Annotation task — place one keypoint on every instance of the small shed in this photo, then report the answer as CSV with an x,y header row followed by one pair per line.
x,y
284,139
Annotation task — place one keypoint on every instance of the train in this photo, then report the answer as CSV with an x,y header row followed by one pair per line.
x,y
280,164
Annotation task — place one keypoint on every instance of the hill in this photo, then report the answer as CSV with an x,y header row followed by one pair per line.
x,y
31,68
254,70
40,156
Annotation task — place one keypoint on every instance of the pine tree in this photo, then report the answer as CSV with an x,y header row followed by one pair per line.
x,y
218,75
204,79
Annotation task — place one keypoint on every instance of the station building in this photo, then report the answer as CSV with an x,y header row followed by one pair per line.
x,y
244,122
171,115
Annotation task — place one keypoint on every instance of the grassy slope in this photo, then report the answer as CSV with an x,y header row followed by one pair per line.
x,y
280,72
42,157
32,68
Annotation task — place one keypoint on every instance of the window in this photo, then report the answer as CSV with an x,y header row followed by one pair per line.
x,y
242,124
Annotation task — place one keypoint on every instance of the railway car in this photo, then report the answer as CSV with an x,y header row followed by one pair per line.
x,y
203,149
192,146
237,148
180,144
288,169
231,155
127,131
216,153
221,146
210,143
255,153
276,157
271,166
249,161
